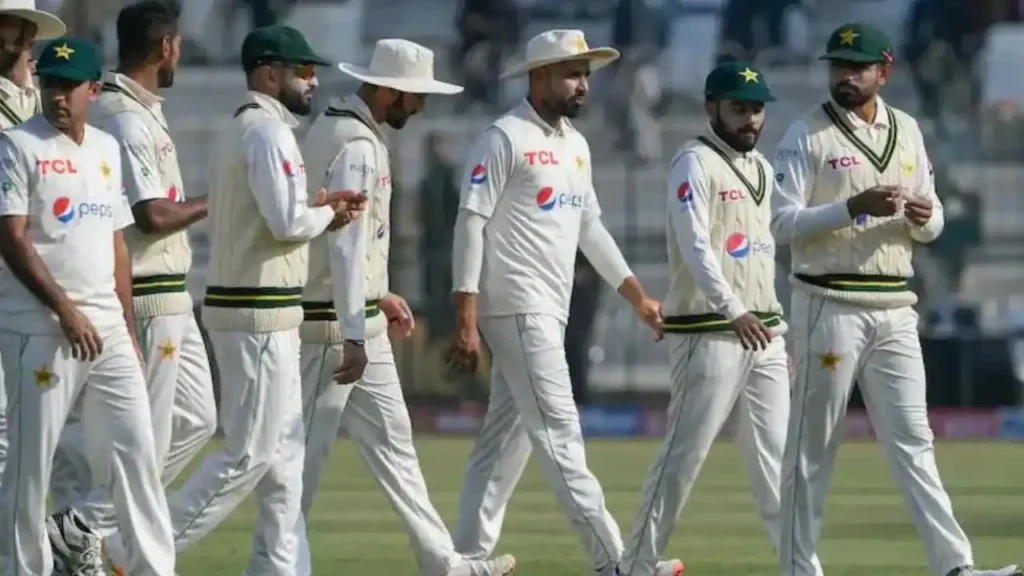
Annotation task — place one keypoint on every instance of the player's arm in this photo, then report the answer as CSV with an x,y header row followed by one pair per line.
x,y
925,189
792,219
123,218
689,221
477,202
353,169
153,211
598,245
15,244
272,158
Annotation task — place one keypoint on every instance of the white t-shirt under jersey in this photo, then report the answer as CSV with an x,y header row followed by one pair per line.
x,y
72,196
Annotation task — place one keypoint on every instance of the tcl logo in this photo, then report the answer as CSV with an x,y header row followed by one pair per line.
x,y
843,162
541,157
56,166
734,195
384,181
293,169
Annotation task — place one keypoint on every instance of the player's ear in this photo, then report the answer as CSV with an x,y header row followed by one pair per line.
x,y
94,91
710,108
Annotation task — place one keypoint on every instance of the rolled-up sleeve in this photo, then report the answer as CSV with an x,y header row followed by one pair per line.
x,y
792,218
925,188
689,196
140,172
353,169
277,177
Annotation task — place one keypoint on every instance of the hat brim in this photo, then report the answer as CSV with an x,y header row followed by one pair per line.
x,y
598,57
312,58
49,26
72,73
410,85
847,55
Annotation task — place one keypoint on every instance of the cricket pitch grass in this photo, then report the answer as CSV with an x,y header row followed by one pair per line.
x,y
353,529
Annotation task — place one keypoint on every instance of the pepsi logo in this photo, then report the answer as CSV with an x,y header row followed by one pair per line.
x,y
860,220
62,210
478,175
685,193
738,245
546,198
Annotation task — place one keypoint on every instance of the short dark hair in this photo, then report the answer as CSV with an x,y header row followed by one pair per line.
x,y
142,26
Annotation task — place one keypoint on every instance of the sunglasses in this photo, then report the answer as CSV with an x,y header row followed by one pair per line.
x,y
304,71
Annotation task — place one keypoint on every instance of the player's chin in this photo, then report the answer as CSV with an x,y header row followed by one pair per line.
x,y
573,108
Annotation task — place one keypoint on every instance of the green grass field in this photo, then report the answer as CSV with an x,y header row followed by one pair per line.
x,y
354,530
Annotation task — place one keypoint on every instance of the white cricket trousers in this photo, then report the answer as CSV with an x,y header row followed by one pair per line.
x,y
531,407
374,414
835,344
43,383
261,415
183,411
713,377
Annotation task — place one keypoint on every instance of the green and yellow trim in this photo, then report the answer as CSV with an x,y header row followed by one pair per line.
x,y
856,282
757,193
258,298
697,323
12,116
158,284
324,311
879,161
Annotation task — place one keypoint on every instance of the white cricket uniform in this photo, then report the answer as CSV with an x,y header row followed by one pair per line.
x,y
722,265
531,184
177,370
72,197
17,104
852,320
348,275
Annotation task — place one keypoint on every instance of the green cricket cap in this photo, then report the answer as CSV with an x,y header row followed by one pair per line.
x,y
278,44
737,80
858,42
71,59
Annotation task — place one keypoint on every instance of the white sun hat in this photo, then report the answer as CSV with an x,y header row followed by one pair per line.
x,y
402,65
49,25
556,46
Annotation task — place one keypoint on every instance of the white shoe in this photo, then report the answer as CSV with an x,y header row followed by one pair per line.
x,y
1012,570
75,545
500,566
673,567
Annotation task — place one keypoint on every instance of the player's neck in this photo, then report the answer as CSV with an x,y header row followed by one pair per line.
x,y
146,76
366,93
545,114
75,132
867,110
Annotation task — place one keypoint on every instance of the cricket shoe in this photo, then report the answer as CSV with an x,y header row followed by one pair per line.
x,y
500,566
673,567
76,548
1012,570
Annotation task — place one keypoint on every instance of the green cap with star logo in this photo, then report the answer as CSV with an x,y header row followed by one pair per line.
x,y
70,59
737,80
858,42
278,44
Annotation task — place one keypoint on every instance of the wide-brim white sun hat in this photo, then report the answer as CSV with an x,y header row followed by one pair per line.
x,y
402,65
49,26
556,46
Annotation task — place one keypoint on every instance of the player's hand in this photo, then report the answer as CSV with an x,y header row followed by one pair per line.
x,y
879,201
85,341
753,334
353,362
649,311
347,204
464,353
401,322
918,210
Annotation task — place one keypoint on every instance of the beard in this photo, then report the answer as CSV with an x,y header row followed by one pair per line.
x,y
297,103
165,77
848,96
570,107
743,140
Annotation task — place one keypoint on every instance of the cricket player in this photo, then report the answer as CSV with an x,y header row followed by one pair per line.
x,y
177,370
68,329
855,192
261,220
348,369
20,25
724,322
528,203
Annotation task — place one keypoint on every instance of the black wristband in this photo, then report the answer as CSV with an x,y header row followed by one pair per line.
x,y
359,343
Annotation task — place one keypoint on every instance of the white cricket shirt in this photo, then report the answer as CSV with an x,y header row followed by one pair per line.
x,y
72,197
532,182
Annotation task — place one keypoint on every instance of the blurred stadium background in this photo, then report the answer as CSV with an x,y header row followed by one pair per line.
x,y
957,70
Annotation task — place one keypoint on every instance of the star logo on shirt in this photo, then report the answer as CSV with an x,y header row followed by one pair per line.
x,y
830,360
44,378
167,351
908,168
64,51
580,162
846,37
105,169
749,75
